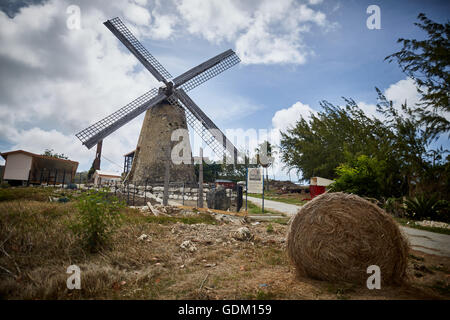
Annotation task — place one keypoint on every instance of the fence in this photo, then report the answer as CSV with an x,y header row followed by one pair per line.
x,y
178,192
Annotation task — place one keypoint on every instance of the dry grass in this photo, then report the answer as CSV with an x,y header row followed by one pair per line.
x,y
36,249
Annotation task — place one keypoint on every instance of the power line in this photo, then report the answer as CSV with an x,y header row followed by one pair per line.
x,y
112,162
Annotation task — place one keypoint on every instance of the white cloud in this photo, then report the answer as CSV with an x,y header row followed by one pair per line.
x,y
264,32
55,81
369,109
137,14
215,20
286,118
163,26
401,91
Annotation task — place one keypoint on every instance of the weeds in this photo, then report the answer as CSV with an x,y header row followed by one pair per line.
x,y
98,216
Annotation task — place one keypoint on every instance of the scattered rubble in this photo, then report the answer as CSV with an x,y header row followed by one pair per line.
x,y
435,224
243,234
188,245
144,237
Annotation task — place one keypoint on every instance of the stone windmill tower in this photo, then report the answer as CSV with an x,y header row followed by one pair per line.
x,y
167,109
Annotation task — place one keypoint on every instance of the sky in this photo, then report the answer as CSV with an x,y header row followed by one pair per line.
x,y
61,69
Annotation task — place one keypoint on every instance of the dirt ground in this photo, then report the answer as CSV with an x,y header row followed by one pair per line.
x,y
36,248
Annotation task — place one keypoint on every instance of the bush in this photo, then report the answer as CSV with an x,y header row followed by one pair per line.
x,y
422,207
395,207
4,185
71,186
443,211
98,216
364,176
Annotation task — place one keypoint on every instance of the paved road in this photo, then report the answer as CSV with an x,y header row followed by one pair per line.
x,y
425,241
287,208
428,242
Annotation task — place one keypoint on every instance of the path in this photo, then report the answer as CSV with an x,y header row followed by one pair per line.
x,y
289,209
428,242
425,241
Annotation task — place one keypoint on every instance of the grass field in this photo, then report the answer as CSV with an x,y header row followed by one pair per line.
x,y
291,198
36,248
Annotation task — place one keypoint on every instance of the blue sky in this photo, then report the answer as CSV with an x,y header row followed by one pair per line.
x,y
55,80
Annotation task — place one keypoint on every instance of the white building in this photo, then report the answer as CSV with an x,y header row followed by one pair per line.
x,y
104,178
26,167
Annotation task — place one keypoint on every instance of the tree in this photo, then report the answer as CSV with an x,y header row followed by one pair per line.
x,y
338,136
427,62
409,141
51,153
333,136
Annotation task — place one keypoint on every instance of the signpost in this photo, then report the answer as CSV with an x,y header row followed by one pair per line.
x,y
255,182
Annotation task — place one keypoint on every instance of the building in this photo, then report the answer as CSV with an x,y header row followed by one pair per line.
x,y
228,184
317,186
104,178
22,167
128,161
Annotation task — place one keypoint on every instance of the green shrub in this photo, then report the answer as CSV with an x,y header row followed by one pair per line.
x,y
443,211
98,216
422,207
364,176
4,184
395,207
269,228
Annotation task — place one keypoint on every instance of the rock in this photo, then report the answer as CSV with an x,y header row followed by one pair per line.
x,y
144,237
188,245
243,234
217,199
436,224
153,210
210,265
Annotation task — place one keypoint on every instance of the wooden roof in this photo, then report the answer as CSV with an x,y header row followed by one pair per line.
x,y
41,156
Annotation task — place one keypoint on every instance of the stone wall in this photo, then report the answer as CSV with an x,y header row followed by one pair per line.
x,y
176,193
154,144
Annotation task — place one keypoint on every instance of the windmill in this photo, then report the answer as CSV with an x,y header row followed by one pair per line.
x,y
167,108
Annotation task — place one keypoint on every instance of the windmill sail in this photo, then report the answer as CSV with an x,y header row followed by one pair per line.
x,y
174,91
101,129
204,126
129,40
207,70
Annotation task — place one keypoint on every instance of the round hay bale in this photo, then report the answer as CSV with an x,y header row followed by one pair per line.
x,y
336,236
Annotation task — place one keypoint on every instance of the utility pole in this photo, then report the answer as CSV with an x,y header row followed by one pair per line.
x,y
166,178
200,181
